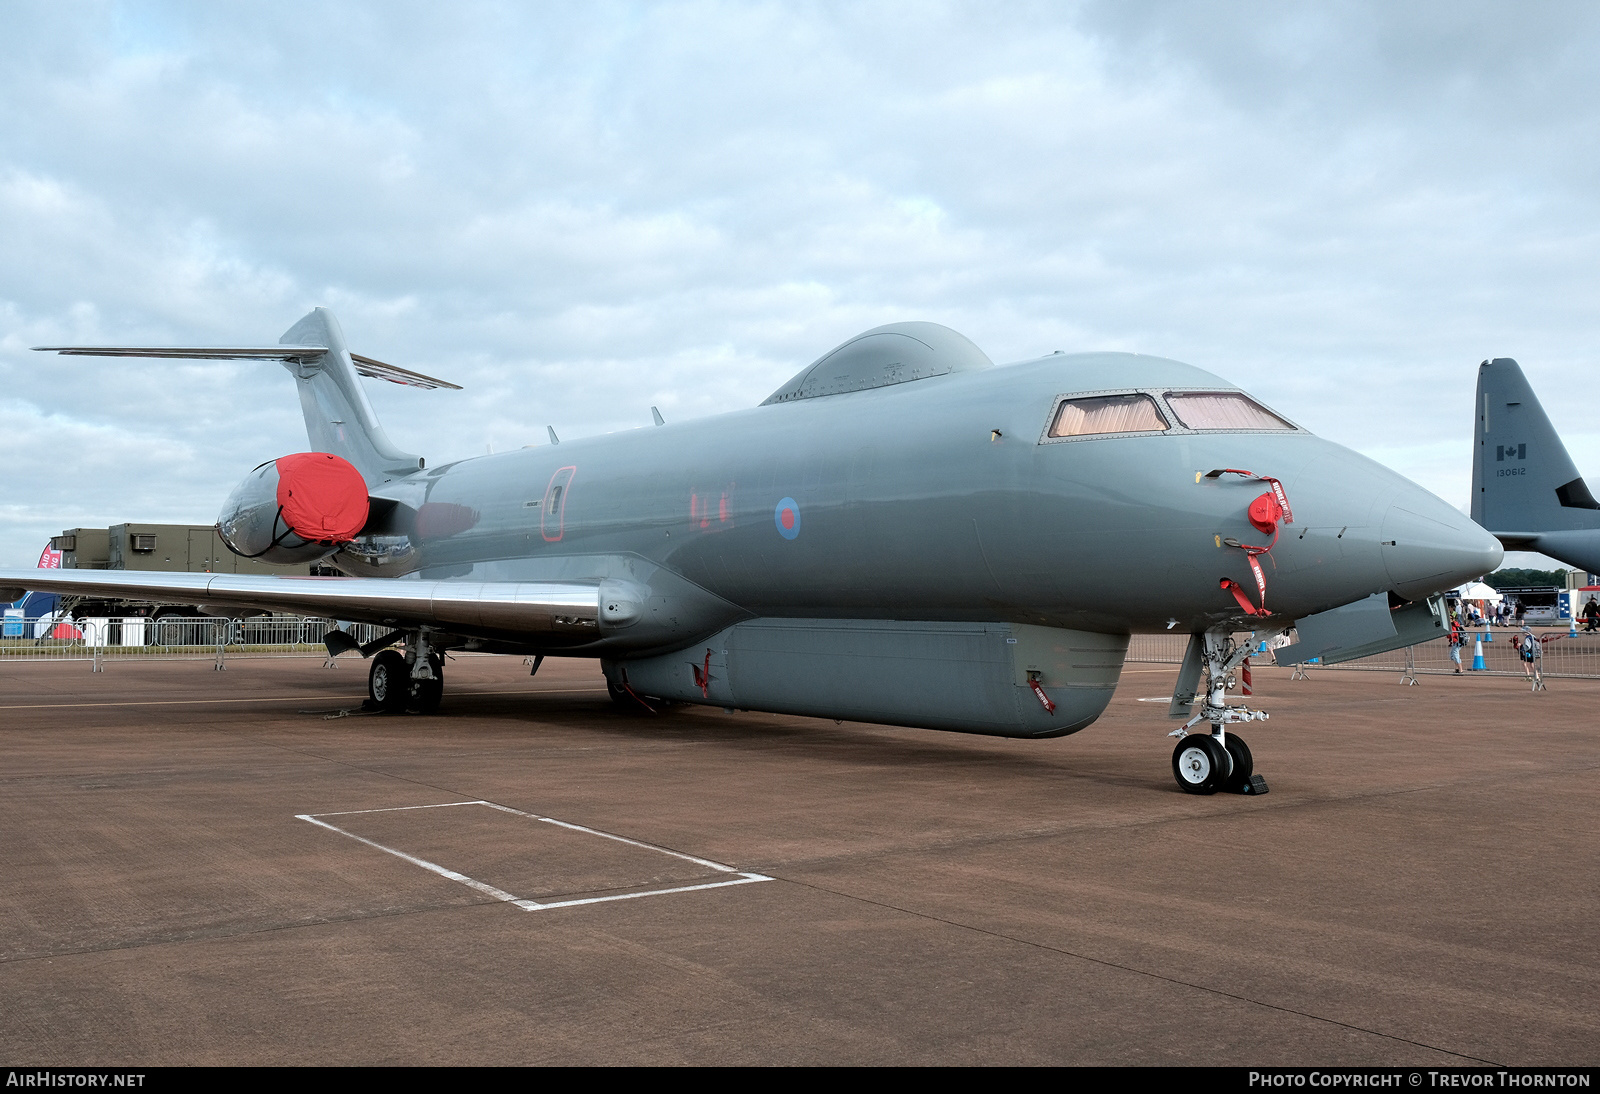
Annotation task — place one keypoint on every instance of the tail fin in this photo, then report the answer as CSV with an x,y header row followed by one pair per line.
x,y
339,419
1525,488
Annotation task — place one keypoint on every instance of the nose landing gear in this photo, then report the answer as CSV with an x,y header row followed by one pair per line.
x,y
1206,763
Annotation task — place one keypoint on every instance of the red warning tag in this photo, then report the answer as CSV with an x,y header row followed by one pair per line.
x,y
1239,594
1261,579
1044,700
702,676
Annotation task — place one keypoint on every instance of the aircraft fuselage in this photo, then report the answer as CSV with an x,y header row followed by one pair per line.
x,y
939,499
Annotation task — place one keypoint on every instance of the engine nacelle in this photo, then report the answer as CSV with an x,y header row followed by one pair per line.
x,y
295,509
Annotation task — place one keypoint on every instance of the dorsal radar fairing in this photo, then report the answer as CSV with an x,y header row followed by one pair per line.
x,y
896,353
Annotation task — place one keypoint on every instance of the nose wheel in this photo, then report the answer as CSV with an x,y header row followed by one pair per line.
x,y
1204,765
1201,764
1244,766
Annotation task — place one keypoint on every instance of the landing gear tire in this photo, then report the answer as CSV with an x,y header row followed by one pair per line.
x,y
1200,764
425,694
389,682
1244,765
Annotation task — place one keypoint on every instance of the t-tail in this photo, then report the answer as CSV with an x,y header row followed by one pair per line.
x,y
339,419
1525,488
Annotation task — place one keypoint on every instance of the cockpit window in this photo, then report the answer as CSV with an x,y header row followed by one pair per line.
x,y
1222,410
1107,414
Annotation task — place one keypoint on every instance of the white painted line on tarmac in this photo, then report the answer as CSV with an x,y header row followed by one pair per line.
x,y
742,879
184,702
386,809
526,905
442,871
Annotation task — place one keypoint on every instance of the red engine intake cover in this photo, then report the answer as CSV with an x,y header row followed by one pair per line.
x,y
324,498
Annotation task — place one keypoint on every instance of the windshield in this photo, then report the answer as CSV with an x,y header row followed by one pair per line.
x,y
1222,410
1107,414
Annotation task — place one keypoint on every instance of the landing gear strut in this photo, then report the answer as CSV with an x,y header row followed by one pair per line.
x,y
1204,763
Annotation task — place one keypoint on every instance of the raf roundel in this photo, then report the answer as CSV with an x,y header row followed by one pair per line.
x,y
787,517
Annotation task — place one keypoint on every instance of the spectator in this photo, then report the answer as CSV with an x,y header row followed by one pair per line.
x,y
1528,648
1458,638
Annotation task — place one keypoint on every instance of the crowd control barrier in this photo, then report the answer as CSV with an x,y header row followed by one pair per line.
x,y
1563,654
98,640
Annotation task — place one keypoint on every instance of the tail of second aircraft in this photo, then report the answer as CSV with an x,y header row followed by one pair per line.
x,y
1525,488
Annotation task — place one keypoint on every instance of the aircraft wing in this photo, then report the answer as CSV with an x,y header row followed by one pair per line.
x,y
467,607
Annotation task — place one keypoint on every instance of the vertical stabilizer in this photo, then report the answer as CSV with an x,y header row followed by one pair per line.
x,y
339,419
1525,488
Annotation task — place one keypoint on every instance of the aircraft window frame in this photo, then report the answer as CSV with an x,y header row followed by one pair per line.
x,y
1162,412
1167,394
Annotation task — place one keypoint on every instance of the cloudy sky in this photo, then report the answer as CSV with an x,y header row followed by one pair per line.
x,y
580,210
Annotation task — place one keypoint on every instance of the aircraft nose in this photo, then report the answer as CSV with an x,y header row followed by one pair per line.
x,y
1428,547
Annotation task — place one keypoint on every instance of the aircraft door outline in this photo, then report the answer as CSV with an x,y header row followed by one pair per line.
x,y
555,504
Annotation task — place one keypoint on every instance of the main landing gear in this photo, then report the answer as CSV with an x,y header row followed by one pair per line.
x,y
413,680
1204,763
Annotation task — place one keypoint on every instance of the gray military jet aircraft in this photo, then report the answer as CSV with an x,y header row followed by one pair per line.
x,y
1525,488
903,533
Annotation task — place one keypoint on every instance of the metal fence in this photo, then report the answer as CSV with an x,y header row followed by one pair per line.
x,y
1562,654
170,638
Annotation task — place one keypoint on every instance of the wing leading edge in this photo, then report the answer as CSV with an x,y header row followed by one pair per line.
x,y
490,609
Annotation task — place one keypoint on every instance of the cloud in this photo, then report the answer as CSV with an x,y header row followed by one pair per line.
x,y
578,211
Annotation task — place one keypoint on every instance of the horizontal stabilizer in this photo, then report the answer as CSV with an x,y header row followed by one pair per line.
x,y
193,353
530,610
397,375
1579,547
366,366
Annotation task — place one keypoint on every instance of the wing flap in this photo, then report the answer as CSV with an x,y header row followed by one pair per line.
x,y
490,608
